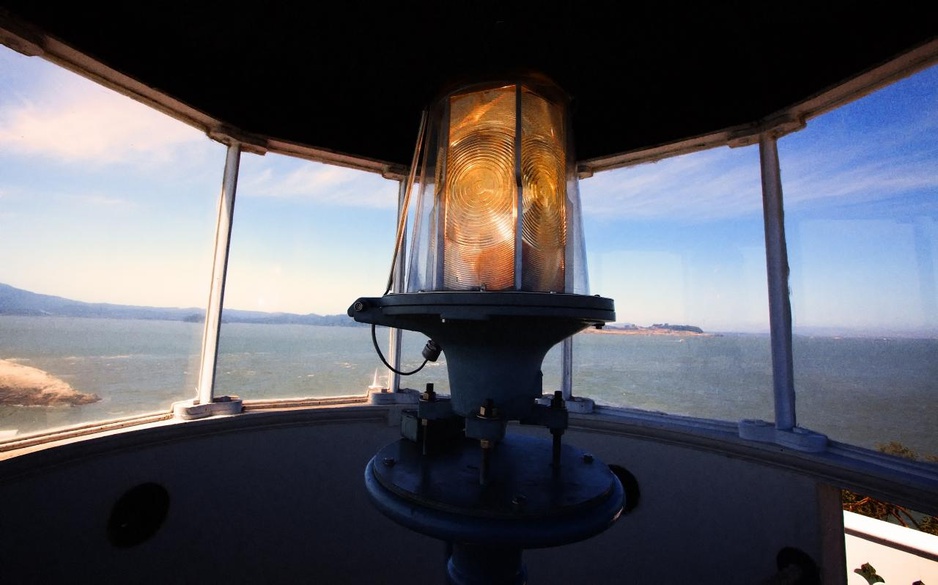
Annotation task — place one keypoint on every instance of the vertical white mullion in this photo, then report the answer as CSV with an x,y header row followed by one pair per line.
x,y
226,201
566,368
776,254
395,335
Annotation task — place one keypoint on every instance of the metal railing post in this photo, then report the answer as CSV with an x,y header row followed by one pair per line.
x,y
566,368
776,254
396,336
226,201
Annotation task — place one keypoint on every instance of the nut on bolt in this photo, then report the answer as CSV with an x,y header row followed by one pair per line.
x,y
429,395
488,410
360,306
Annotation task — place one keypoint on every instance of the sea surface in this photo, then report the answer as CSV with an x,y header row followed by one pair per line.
x,y
866,391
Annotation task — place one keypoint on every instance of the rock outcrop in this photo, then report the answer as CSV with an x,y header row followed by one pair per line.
x,y
27,386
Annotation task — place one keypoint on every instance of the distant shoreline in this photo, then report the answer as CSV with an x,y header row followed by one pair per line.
x,y
24,303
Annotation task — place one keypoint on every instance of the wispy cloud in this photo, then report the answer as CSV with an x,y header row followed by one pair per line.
x,y
879,164
72,120
863,182
320,183
102,201
725,183
708,185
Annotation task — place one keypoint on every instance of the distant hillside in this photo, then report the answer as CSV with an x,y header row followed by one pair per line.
x,y
15,301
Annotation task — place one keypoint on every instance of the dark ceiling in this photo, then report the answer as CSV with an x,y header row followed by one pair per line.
x,y
352,77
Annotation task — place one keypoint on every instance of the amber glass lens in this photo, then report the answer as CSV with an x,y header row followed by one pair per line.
x,y
543,171
480,193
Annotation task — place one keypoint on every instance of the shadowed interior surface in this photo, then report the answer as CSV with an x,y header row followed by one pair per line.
x,y
345,78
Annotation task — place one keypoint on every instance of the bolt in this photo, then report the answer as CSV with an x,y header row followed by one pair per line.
x,y
429,395
557,400
517,502
587,458
486,452
555,448
359,306
389,462
488,410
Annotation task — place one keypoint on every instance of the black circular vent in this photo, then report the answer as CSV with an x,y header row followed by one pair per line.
x,y
137,515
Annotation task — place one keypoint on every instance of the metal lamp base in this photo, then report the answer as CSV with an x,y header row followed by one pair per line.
x,y
527,502
495,342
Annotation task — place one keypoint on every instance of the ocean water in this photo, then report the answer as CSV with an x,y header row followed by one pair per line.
x,y
866,391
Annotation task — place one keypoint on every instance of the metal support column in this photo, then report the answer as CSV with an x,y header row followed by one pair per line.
x,y
777,268
566,368
395,335
206,388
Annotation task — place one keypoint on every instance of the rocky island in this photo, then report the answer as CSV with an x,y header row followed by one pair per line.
x,y
27,386
656,329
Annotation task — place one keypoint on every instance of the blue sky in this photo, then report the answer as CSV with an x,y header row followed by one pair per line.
x,y
104,200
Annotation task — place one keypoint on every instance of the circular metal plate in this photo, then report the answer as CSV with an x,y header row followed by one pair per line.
x,y
526,501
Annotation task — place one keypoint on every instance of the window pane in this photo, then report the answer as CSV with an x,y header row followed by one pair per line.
x,y
861,191
679,246
307,240
109,207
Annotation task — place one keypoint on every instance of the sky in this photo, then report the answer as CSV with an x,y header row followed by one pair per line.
x,y
105,200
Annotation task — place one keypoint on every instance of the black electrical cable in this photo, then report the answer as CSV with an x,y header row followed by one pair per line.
x,y
374,339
